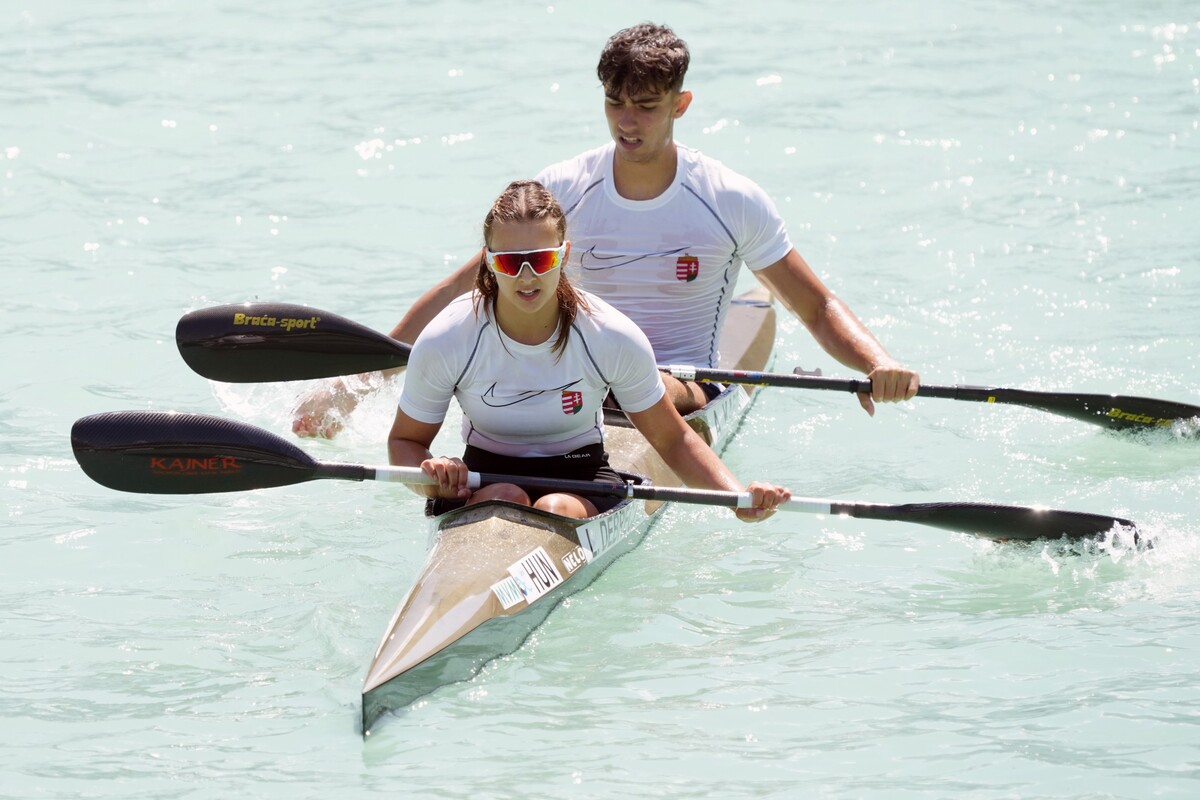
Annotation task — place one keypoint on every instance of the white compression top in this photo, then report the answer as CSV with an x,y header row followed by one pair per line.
x,y
524,400
671,264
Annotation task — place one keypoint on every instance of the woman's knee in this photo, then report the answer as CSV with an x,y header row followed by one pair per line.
x,y
508,492
566,505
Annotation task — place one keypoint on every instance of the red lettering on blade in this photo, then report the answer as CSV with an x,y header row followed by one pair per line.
x,y
200,467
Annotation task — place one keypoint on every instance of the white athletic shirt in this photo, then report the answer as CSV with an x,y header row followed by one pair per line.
x,y
671,264
524,400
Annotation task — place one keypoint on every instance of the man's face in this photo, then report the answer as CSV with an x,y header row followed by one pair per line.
x,y
643,124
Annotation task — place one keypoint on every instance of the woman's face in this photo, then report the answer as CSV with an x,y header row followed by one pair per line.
x,y
527,293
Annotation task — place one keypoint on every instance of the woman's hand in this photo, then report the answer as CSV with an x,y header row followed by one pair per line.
x,y
766,498
451,476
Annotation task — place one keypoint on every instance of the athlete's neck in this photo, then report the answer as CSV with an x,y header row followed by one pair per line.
x,y
645,180
524,327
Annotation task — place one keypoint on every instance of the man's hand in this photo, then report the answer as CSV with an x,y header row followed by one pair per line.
x,y
889,384
322,412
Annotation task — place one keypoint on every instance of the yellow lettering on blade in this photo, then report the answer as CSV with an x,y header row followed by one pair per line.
x,y
288,324
1144,419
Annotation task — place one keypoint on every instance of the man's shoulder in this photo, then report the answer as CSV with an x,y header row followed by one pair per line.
x,y
598,308
602,316
457,320
584,169
701,170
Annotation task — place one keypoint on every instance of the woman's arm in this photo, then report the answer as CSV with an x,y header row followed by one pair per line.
x,y
408,446
696,464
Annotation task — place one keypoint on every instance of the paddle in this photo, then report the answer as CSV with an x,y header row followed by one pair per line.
x,y
261,342
158,452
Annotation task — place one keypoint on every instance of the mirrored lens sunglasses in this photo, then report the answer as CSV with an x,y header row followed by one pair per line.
x,y
512,262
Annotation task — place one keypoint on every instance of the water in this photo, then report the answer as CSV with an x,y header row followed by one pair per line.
x,y
1006,193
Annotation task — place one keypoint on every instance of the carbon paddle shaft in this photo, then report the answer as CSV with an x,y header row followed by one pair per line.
x,y
1117,412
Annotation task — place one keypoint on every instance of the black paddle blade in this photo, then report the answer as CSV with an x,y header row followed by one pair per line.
x,y
1117,412
160,452
1005,523
264,342
1112,411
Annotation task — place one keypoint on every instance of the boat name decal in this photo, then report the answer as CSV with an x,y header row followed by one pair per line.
x,y
574,560
212,465
535,574
287,323
597,537
507,592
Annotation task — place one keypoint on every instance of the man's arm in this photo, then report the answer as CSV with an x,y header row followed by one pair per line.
x,y
430,304
321,411
839,332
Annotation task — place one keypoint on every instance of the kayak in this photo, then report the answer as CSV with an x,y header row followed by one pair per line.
x,y
496,570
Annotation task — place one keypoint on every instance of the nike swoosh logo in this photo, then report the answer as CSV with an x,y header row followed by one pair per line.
x,y
488,397
612,262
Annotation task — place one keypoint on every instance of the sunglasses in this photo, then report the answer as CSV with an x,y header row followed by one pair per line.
x,y
540,261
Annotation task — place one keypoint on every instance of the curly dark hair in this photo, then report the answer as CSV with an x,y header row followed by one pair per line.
x,y
641,59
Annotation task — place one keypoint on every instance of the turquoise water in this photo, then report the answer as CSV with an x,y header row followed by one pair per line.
x,y
1006,193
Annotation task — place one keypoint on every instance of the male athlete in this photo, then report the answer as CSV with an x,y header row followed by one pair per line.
x,y
661,232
